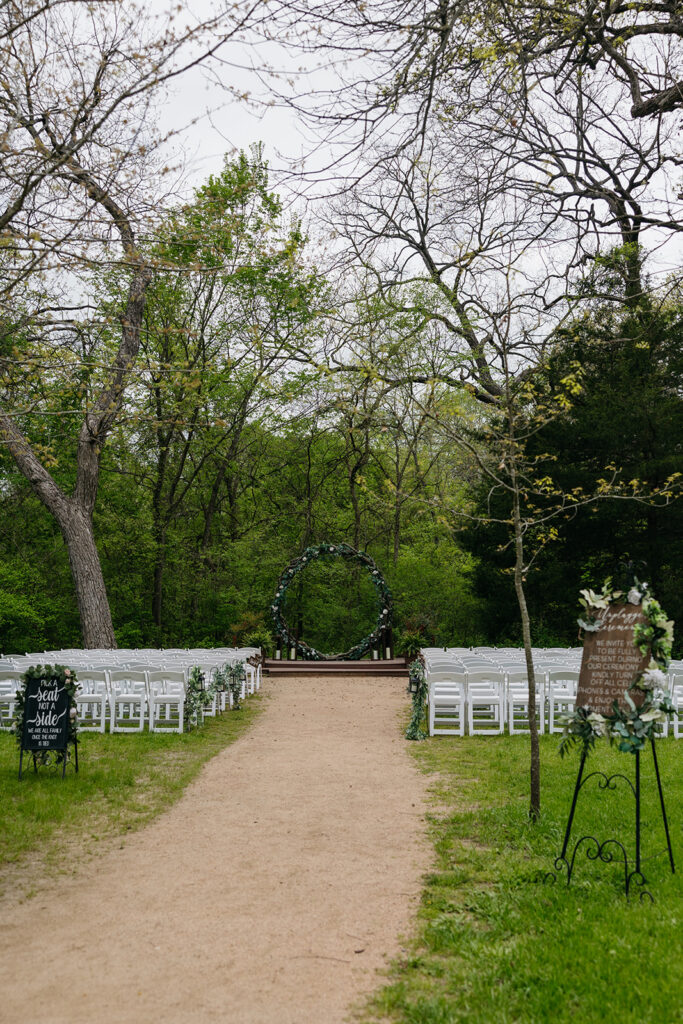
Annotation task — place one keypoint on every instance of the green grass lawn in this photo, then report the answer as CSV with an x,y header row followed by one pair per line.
x,y
494,945
123,782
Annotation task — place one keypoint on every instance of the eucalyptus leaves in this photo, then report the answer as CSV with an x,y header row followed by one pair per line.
x,y
647,704
418,680
350,554
231,679
197,697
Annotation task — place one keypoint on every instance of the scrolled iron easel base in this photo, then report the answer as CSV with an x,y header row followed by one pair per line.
x,y
607,852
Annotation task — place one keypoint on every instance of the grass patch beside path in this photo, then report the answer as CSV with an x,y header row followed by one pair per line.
x,y
49,824
494,945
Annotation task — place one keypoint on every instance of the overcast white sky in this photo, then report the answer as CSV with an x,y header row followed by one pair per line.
x,y
224,124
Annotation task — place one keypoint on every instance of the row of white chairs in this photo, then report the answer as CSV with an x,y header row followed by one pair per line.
x,y
128,657
485,702
127,699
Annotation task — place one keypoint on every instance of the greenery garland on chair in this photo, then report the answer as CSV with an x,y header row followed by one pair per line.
x,y
65,677
349,554
230,679
632,728
418,679
197,698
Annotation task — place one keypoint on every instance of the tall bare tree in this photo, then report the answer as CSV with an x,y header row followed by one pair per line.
x,y
76,92
489,159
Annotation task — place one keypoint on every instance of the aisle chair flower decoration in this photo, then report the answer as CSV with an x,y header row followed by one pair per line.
x,y
197,698
418,687
230,679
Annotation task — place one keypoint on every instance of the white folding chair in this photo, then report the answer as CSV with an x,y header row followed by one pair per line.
x,y
518,702
92,699
562,684
485,703
10,681
676,684
167,694
447,703
129,700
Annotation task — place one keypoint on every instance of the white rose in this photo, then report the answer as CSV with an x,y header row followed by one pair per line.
x,y
634,596
653,715
653,678
597,723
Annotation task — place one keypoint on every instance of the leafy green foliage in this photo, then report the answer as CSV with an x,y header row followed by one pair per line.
x,y
420,688
349,555
627,415
231,678
410,642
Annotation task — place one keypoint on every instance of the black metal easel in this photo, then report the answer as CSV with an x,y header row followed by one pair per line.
x,y
607,850
64,751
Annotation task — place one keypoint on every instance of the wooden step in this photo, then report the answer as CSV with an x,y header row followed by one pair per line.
x,y
393,667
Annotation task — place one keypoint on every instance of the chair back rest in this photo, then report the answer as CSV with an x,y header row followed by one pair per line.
x,y
518,680
676,684
456,678
126,680
10,676
563,680
485,682
166,681
562,675
92,680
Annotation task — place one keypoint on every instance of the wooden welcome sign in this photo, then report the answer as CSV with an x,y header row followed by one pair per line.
x,y
611,661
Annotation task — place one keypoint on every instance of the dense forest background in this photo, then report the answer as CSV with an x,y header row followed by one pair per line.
x,y
227,467
450,337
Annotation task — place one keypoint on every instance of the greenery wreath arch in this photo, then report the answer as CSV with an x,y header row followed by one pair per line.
x,y
345,551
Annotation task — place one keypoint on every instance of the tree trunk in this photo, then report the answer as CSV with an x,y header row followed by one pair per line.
x,y
397,527
158,579
535,762
75,515
75,522
91,593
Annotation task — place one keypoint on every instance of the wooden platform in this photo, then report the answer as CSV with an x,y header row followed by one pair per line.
x,y
279,669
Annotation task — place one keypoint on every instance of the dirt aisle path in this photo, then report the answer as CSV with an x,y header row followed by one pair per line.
x,y
270,893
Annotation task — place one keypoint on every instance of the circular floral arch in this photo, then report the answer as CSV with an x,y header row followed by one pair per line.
x,y
345,551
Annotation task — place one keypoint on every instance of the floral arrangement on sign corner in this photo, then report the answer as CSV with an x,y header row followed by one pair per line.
x,y
65,677
632,728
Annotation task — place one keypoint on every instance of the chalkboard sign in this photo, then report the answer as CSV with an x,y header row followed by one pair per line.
x,y
611,661
46,715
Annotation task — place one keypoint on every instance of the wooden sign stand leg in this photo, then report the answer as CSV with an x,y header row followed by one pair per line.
x,y
609,848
